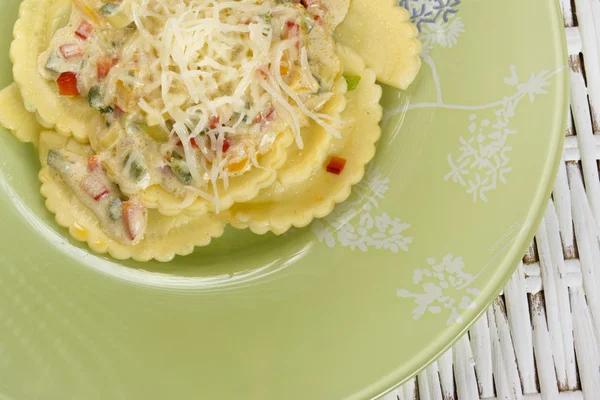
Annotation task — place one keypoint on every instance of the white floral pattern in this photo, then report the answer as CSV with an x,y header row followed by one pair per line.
x,y
444,34
483,159
355,223
446,288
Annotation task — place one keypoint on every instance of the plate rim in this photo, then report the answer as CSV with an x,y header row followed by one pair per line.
x,y
517,249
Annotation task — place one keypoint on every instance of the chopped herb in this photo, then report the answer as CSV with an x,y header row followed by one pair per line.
x,y
114,209
352,82
268,17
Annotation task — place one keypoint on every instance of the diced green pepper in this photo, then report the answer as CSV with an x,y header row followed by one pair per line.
x,y
308,22
96,100
57,161
352,82
137,166
54,159
53,63
155,132
118,15
109,9
114,209
182,172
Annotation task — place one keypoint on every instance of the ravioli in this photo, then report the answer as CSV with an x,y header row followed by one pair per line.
x,y
158,122
16,118
381,32
280,207
166,236
240,188
37,23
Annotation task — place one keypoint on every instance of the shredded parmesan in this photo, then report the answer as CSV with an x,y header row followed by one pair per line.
x,y
207,70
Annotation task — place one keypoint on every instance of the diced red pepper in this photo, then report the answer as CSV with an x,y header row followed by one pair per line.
x,y
260,117
84,30
270,114
119,112
226,144
67,84
133,217
70,50
292,29
93,163
213,122
94,187
192,142
336,165
104,65
264,72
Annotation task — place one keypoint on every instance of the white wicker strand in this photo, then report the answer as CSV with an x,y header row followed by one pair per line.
x,y
466,381
590,43
482,353
589,252
502,384
506,347
572,148
562,204
562,294
533,282
596,14
517,310
562,396
567,13
409,390
433,380
423,385
583,124
552,305
574,45
446,375
586,346
543,349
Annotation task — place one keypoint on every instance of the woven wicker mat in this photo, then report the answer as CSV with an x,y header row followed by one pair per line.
x,y
540,339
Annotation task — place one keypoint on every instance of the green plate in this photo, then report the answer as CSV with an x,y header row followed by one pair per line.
x,y
345,308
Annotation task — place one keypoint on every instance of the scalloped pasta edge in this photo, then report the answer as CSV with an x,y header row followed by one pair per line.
x,y
396,62
15,117
82,226
168,204
39,95
277,224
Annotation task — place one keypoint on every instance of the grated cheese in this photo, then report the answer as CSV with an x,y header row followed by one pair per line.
x,y
185,63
